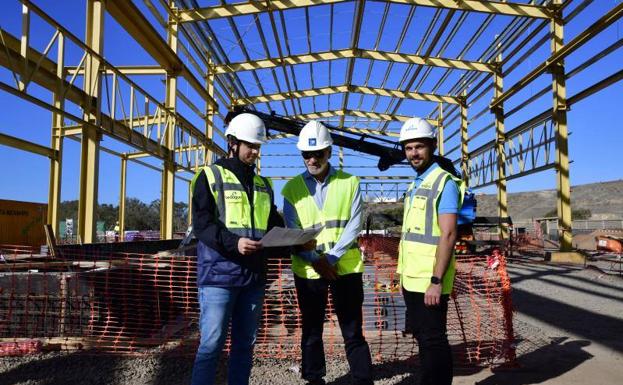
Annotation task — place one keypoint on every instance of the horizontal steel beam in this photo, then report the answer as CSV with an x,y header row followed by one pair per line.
x,y
354,130
25,145
254,7
126,70
356,54
361,114
177,150
344,89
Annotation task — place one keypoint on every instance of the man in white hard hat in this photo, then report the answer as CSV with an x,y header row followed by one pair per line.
x,y
232,209
426,252
324,196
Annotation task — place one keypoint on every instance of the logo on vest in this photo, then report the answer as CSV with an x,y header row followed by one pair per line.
x,y
233,196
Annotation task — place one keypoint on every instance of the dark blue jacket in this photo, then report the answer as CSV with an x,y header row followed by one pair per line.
x,y
218,261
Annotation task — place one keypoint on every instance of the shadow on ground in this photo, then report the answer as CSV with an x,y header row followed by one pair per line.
x,y
543,364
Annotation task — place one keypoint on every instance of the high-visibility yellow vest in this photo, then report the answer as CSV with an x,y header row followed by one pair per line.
x,y
420,233
334,216
234,209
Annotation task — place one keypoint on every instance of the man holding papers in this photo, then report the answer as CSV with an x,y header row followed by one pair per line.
x,y
324,196
232,209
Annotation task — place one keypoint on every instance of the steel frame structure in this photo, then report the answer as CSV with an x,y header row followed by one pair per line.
x,y
113,104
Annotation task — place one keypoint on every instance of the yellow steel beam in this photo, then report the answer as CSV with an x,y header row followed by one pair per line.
x,y
405,94
141,29
354,54
362,114
126,70
24,145
559,118
291,95
344,89
349,129
176,151
90,139
369,131
253,7
375,115
500,153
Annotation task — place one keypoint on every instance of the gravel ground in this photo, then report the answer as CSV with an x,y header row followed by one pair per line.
x,y
569,324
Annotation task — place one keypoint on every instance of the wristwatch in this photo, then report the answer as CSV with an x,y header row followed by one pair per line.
x,y
435,280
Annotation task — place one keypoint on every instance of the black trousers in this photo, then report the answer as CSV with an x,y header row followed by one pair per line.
x,y
347,295
428,324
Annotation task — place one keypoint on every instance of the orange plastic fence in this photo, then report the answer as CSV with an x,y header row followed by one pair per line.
x,y
143,304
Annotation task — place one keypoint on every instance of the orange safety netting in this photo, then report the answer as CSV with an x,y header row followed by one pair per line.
x,y
144,303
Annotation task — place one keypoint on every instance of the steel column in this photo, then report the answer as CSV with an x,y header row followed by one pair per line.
x,y
168,172
559,116
440,137
464,140
122,194
56,142
210,113
190,204
499,148
90,140
24,44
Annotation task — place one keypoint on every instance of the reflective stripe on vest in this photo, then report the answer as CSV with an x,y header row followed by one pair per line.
x,y
334,216
421,233
427,236
232,201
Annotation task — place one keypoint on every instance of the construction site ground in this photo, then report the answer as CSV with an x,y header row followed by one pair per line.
x,y
568,323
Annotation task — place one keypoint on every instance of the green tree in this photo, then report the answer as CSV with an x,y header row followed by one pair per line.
x,y
138,215
578,214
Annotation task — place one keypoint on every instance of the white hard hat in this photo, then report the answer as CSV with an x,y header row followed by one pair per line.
x,y
229,131
417,128
314,136
248,128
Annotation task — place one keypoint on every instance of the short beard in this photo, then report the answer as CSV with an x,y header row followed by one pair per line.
x,y
318,171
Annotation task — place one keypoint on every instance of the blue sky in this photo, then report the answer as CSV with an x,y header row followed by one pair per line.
x,y
595,126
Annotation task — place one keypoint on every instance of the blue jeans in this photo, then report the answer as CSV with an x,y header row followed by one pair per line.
x,y
219,305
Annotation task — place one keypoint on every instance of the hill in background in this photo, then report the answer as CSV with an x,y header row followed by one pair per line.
x,y
603,199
